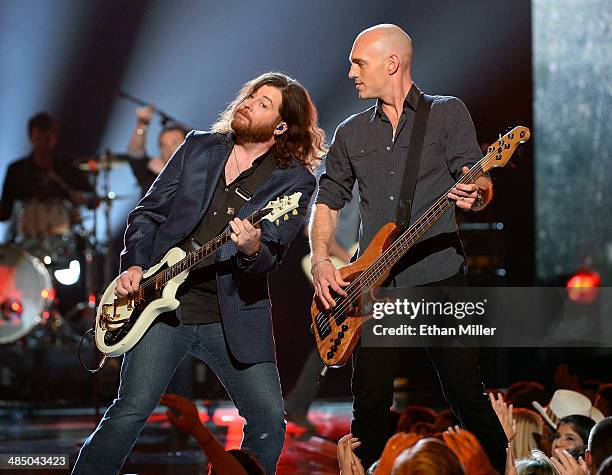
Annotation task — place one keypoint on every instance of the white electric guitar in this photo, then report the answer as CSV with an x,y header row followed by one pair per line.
x,y
122,321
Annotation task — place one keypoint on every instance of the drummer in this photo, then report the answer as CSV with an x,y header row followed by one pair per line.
x,y
43,176
146,169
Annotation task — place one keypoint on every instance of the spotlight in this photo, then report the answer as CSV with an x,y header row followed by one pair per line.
x,y
69,276
582,287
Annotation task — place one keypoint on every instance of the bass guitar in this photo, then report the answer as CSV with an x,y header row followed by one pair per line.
x,y
337,329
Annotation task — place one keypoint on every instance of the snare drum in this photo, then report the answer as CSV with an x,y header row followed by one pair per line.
x,y
26,293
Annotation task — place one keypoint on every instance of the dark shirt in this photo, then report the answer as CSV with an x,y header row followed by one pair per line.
x,y
25,181
143,174
198,295
364,150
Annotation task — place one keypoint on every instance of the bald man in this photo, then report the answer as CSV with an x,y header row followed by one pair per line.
x,y
371,148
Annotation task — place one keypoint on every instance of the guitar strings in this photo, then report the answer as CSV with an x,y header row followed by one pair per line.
x,y
209,245
439,207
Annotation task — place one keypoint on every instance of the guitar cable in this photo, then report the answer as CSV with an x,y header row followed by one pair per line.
x,y
102,362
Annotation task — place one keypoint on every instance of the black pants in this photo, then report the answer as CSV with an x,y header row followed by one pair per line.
x,y
459,375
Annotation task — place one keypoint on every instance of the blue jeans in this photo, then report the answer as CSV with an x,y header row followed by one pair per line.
x,y
145,373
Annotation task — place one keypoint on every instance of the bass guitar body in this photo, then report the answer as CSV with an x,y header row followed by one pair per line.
x,y
337,330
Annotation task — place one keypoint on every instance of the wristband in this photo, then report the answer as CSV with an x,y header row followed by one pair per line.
x,y
251,258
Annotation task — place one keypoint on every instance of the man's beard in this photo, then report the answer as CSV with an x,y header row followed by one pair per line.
x,y
247,132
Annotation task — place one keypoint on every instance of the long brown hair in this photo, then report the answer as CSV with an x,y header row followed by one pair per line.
x,y
303,141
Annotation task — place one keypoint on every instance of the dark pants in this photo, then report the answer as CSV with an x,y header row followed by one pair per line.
x,y
459,374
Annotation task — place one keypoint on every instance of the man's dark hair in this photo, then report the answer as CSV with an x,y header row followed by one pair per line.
x,y
43,121
600,442
606,467
172,126
303,141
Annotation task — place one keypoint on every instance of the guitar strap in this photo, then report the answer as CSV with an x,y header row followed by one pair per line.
x,y
413,161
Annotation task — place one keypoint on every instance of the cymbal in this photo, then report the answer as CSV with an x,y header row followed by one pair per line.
x,y
104,161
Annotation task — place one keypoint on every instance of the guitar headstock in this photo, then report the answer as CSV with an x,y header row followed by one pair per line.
x,y
501,150
283,205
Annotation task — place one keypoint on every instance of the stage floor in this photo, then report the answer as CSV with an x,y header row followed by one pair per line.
x,y
161,449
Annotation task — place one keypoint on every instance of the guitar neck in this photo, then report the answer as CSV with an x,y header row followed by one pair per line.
x,y
194,257
409,238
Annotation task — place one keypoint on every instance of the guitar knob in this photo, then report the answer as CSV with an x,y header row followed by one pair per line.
x,y
330,355
340,335
334,348
337,341
344,328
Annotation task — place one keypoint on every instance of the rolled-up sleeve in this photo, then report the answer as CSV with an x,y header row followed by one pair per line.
x,y
461,145
336,184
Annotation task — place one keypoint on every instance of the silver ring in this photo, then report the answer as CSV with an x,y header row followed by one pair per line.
x,y
462,198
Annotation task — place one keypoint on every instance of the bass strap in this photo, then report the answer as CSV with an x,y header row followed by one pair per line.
x,y
413,161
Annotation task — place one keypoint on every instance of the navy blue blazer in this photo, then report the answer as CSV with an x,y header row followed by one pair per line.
x,y
173,207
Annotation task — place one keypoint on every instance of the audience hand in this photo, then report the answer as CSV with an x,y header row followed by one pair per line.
x,y
504,414
510,467
188,420
468,450
395,446
567,465
347,460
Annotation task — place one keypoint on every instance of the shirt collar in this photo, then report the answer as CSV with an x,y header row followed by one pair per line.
x,y
411,101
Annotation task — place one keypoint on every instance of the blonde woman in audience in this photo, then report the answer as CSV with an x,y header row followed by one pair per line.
x,y
529,428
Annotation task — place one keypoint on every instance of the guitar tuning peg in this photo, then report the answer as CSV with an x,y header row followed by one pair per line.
x,y
294,212
277,222
286,217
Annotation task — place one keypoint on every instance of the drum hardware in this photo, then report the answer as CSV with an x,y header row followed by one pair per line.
x,y
102,162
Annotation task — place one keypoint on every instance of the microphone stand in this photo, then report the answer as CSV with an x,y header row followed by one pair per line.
x,y
165,117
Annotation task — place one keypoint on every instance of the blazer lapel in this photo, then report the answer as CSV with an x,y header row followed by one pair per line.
x,y
214,168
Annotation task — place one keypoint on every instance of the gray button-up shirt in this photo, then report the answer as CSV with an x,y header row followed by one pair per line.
x,y
365,150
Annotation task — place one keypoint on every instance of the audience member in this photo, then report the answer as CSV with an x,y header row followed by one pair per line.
x,y
536,464
413,415
600,444
606,467
427,457
603,399
522,393
468,450
184,416
529,428
572,435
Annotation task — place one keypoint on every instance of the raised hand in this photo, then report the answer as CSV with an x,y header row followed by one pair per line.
x,y
567,465
188,419
347,460
504,414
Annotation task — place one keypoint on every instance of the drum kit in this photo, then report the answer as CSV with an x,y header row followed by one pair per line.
x,y
49,274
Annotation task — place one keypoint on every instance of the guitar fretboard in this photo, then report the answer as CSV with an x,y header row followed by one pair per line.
x,y
194,257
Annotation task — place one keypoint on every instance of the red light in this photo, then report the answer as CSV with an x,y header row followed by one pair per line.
x,y
48,294
583,286
92,299
16,307
45,315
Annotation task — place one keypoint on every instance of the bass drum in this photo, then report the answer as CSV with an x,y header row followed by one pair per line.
x,y
26,293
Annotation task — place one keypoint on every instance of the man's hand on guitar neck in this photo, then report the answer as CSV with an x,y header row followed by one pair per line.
x,y
324,276
128,281
474,196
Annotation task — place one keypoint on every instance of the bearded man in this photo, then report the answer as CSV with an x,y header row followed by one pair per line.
x,y
264,145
